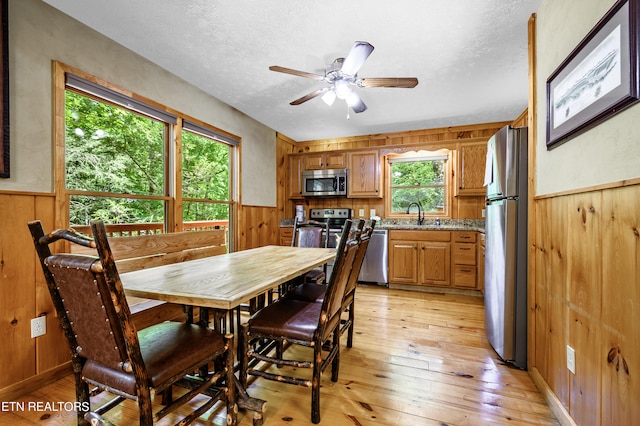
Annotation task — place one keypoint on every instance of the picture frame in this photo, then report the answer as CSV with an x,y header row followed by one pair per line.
x,y
4,74
598,79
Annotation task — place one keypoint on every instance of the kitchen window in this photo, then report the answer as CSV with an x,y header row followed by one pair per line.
x,y
136,165
418,178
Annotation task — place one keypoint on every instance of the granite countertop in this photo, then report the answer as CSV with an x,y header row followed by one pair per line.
x,y
429,224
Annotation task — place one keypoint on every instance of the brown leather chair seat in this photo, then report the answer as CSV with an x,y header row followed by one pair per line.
x,y
166,348
290,319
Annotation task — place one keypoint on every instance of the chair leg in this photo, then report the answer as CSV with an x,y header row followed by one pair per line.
x,y
82,396
352,317
315,384
335,363
144,405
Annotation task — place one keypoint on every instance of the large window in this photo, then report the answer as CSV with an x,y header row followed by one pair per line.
x,y
114,163
206,177
419,179
139,167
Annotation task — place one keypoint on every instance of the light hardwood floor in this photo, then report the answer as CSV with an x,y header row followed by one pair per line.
x,y
418,359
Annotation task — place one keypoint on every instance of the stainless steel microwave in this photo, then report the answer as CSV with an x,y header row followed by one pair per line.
x,y
324,183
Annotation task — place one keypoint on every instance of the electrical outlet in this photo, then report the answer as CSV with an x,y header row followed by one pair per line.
x,y
571,359
38,326
361,213
372,212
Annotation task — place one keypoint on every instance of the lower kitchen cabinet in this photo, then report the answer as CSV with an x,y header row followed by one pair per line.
x,y
419,258
435,258
286,235
464,259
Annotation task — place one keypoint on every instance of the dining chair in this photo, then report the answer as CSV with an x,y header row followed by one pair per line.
x,y
310,234
310,292
108,352
309,324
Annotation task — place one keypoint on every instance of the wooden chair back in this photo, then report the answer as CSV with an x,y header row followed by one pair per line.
x,y
332,301
309,234
363,235
93,310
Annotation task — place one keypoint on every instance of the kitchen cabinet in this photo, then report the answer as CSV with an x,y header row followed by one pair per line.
x,y
296,166
464,259
286,235
471,161
365,176
419,258
331,160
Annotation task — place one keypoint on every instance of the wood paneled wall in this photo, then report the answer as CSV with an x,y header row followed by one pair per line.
x,y
24,296
586,294
257,227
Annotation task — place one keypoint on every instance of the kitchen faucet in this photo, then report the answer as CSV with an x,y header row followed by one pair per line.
x,y
420,217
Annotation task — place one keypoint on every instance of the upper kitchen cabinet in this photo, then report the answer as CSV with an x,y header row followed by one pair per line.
x,y
365,175
471,166
296,167
332,160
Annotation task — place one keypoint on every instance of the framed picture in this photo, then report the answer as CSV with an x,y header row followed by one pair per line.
x,y
4,75
598,79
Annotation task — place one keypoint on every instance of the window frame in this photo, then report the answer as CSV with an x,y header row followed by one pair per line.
x,y
418,156
172,195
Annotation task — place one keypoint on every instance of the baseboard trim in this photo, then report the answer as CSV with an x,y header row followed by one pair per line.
x,y
33,383
556,407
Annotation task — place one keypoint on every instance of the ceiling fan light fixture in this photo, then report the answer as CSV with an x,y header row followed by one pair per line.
x,y
342,89
329,97
352,98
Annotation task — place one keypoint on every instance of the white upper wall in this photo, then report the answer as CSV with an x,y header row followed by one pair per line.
x,y
39,34
610,152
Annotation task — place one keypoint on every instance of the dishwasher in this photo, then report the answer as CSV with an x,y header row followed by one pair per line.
x,y
374,266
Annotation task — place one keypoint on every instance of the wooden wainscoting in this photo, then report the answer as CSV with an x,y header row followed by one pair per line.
x,y
586,294
257,226
25,296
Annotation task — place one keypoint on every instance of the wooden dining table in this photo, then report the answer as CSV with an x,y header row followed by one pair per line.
x,y
225,281
222,283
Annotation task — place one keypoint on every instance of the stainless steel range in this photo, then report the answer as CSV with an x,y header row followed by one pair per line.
x,y
336,219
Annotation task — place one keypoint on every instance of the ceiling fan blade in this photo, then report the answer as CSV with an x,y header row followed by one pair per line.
x,y
296,72
356,57
355,102
388,82
309,96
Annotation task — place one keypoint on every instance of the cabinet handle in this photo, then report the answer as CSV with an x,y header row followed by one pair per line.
x,y
465,248
465,270
466,237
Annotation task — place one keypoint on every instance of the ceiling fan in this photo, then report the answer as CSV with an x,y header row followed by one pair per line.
x,y
342,74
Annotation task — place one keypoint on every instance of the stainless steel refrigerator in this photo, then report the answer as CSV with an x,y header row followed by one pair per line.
x,y
505,293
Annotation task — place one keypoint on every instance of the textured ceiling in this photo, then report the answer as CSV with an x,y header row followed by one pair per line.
x,y
470,56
